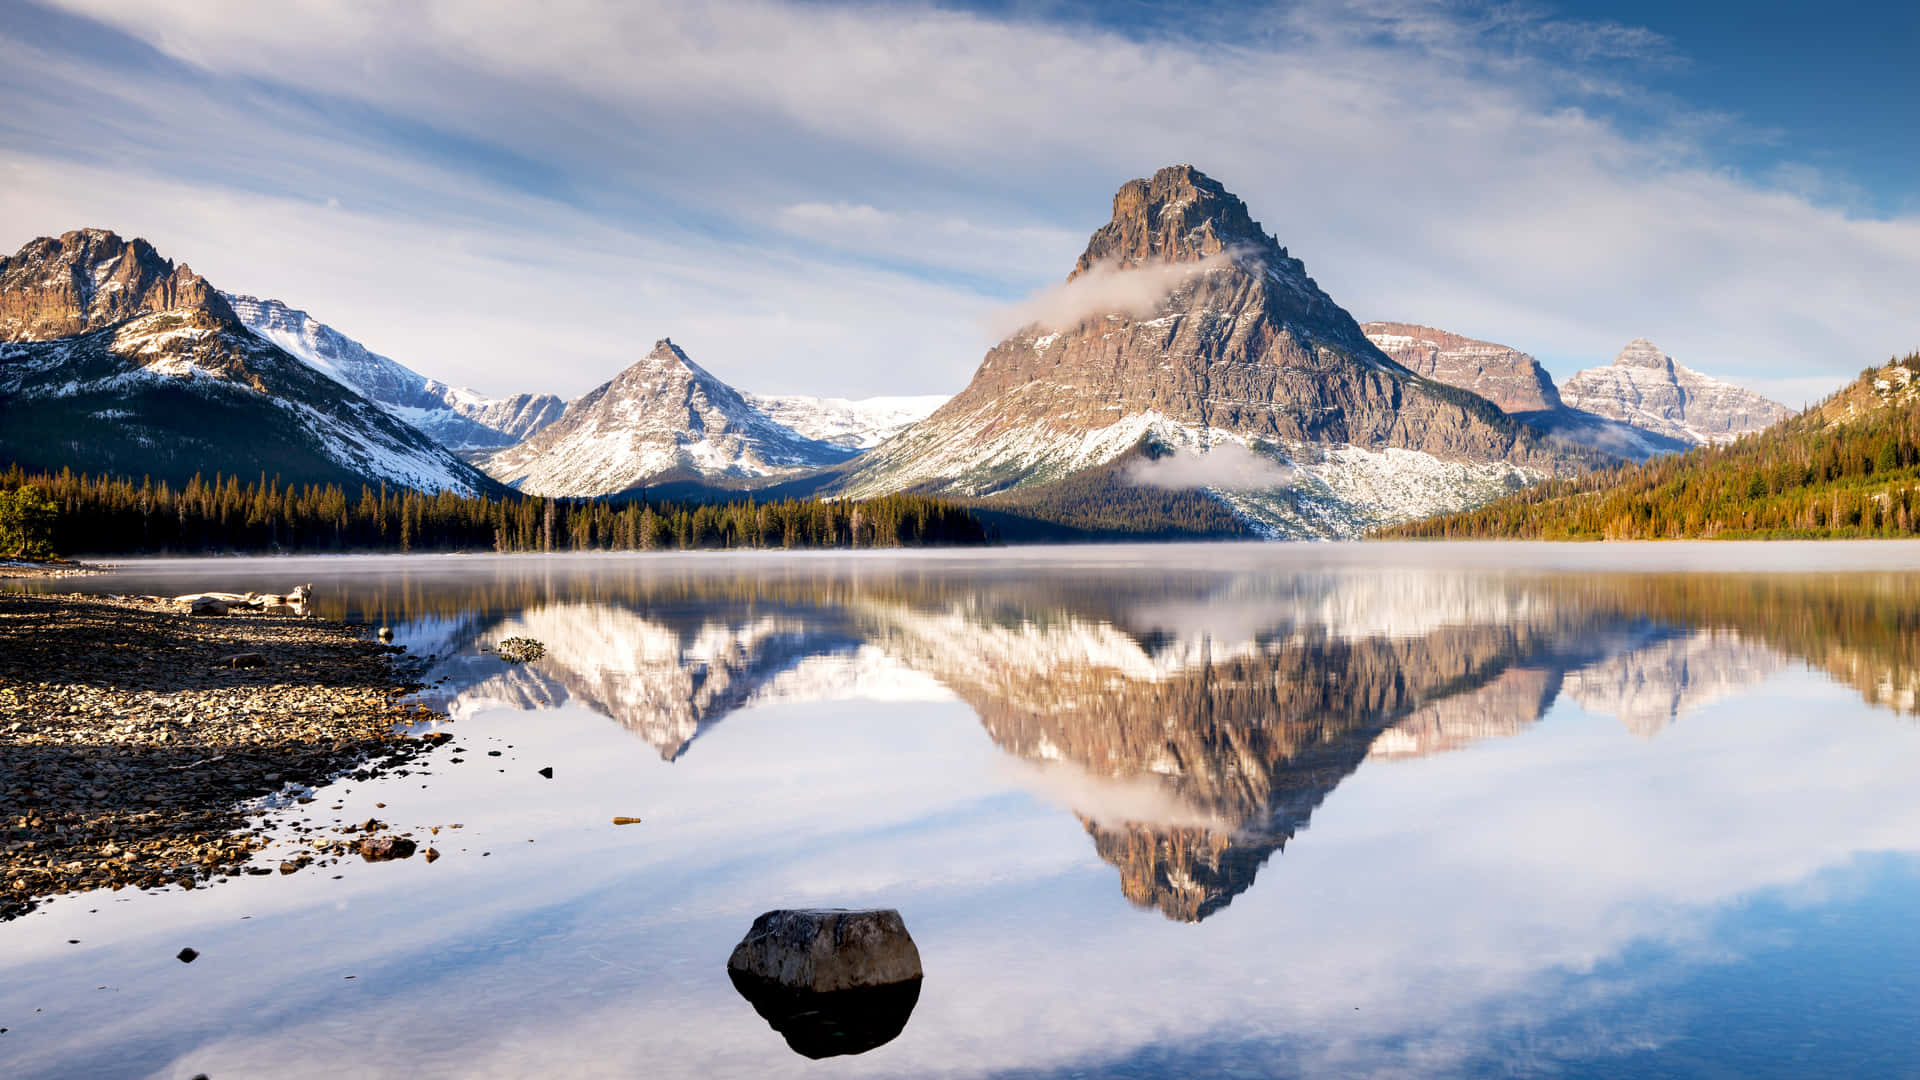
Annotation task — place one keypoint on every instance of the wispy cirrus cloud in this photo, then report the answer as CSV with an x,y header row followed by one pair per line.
x,y
829,196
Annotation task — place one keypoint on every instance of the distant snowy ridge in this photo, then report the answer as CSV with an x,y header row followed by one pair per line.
x,y
453,416
858,424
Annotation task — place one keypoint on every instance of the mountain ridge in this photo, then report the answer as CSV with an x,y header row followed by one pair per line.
x,y
1185,326
116,360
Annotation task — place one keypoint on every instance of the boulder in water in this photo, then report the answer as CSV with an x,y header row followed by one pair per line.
x,y
822,949
831,981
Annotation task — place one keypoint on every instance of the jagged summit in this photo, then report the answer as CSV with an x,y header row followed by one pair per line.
x,y
664,416
119,361
57,287
1185,326
1179,215
1641,353
1646,388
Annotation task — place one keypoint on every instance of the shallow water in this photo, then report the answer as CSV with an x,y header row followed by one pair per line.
x,y
1234,810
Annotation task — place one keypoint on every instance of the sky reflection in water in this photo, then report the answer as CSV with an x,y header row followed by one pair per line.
x,y
1266,810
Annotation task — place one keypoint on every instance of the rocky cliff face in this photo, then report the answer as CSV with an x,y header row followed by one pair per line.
x,y
662,418
1645,388
91,278
1517,384
1185,324
454,416
122,363
1503,375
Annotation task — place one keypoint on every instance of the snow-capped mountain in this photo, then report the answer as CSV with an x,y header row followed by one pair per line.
x,y
1644,387
663,418
454,416
855,424
1517,383
117,361
1186,326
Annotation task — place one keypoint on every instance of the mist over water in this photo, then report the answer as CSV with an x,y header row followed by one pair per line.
x,y
1161,810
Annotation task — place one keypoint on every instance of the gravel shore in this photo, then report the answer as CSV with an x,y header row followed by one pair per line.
x,y
135,751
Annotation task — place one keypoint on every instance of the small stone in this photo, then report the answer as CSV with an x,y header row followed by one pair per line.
x,y
385,846
187,956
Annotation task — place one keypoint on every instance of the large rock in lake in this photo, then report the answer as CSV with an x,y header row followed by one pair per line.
x,y
830,981
821,949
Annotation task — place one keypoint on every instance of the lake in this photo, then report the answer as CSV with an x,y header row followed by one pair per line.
x,y
1185,810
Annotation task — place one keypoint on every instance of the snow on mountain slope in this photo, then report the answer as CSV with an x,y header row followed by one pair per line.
x,y
663,417
1644,387
1186,323
123,363
454,416
855,424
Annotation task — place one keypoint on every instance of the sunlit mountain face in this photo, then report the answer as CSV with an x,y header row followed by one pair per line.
x,y
1191,721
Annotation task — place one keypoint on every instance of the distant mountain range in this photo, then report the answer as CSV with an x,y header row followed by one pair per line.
x,y
115,360
455,417
1642,406
1188,376
1848,467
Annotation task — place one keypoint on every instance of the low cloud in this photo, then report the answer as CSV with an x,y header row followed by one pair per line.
x,y
1105,289
1229,466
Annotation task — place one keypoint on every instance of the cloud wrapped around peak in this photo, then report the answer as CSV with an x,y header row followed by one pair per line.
x,y
1106,288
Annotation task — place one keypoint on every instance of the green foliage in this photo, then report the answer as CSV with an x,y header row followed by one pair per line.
x,y
108,515
27,517
1848,468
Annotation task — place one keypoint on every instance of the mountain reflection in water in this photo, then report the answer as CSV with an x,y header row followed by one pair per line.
x,y
1192,720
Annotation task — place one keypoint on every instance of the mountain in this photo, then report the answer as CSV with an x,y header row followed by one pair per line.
x,y
115,360
1517,383
663,418
855,424
1503,375
1644,387
1184,327
1849,467
457,418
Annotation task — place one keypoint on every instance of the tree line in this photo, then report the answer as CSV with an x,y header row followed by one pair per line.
x,y
1847,468
75,513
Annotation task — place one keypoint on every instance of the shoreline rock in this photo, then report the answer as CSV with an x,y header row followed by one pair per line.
x,y
129,758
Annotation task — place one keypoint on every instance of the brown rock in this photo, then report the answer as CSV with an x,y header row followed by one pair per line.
x,y
825,949
385,846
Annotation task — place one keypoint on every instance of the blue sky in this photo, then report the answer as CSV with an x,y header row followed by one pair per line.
x,y
835,198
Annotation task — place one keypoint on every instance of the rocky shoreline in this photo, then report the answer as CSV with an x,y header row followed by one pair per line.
x,y
59,568
141,746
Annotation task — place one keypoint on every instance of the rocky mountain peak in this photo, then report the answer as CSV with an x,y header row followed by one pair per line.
x,y
1645,388
1179,215
1641,353
83,280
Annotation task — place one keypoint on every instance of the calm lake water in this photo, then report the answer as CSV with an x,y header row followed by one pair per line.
x,y
1203,810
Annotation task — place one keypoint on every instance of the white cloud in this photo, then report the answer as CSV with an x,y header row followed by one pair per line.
x,y
1228,466
1429,165
1106,288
